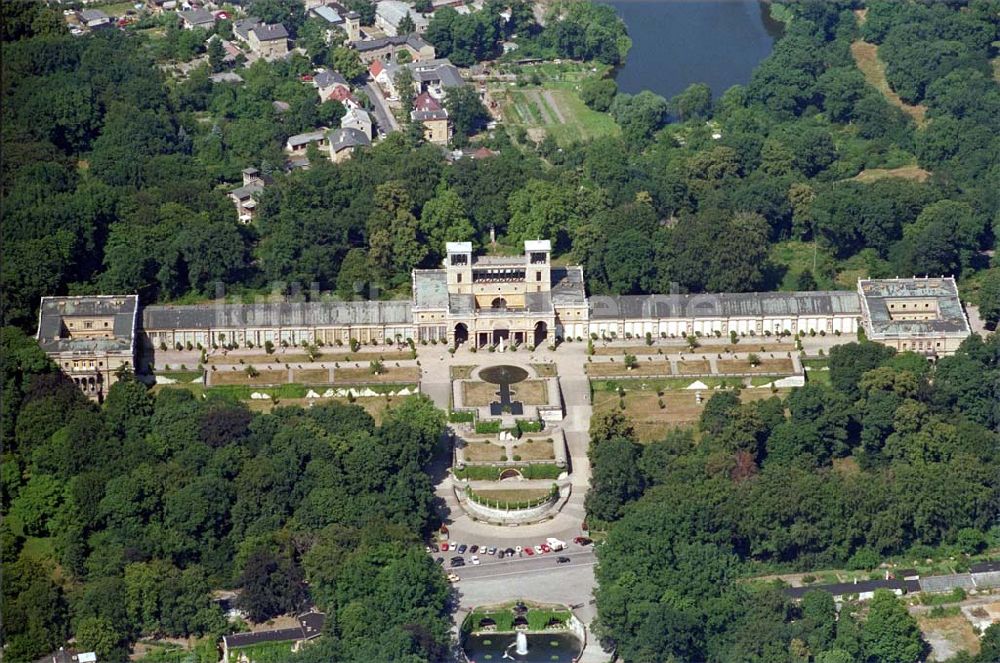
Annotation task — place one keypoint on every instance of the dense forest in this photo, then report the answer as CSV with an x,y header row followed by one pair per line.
x,y
115,172
895,458
123,519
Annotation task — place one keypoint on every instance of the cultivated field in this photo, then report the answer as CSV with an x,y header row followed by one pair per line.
x,y
550,104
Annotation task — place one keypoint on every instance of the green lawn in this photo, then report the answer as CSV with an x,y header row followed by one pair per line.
x,y
670,384
796,257
115,9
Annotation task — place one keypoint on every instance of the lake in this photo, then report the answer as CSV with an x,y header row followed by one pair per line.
x,y
679,42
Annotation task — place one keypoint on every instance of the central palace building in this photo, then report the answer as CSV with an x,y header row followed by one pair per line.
x,y
486,300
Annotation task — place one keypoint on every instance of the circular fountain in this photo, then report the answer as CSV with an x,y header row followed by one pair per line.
x,y
503,374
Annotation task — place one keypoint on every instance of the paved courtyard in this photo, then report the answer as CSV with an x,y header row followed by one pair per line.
x,y
538,578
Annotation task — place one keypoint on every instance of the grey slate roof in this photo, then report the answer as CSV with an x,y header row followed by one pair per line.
x,y
878,293
52,337
728,305
197,16
303,139
326,78
285,314
88,15
845,588
310,626
437,71
413,41
567,286
247,190
328,14
267,32
430,289
347,137
243,26
264,31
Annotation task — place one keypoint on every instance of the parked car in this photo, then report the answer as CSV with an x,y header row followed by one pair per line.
x,y
510,552
439,560
562,560
473,548
443,547
538,549
582,541
529,551
475,560
518,549
545,548
462,548
457,561
453,577
500,554
492,550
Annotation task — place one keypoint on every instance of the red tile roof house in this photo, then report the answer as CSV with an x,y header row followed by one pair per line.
x,y
344,96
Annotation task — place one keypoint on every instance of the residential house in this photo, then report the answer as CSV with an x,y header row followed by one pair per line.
x,y
94,19
245,197
429,112
298,143
384,75
197,18
310,626
433,76
344,141
386,48
90,338
343,96
327,81
268,41
357,118
389,14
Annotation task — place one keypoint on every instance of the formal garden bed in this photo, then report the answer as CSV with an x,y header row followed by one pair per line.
x,y
782,366
534,449
493,472
386,374
484,451
501,618
512,498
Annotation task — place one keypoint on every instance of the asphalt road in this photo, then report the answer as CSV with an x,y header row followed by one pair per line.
x,y
491,567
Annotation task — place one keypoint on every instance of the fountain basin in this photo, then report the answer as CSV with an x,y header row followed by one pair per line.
x,y
554,647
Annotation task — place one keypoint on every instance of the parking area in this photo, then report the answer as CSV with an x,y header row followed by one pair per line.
x,y
482,559
534,578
